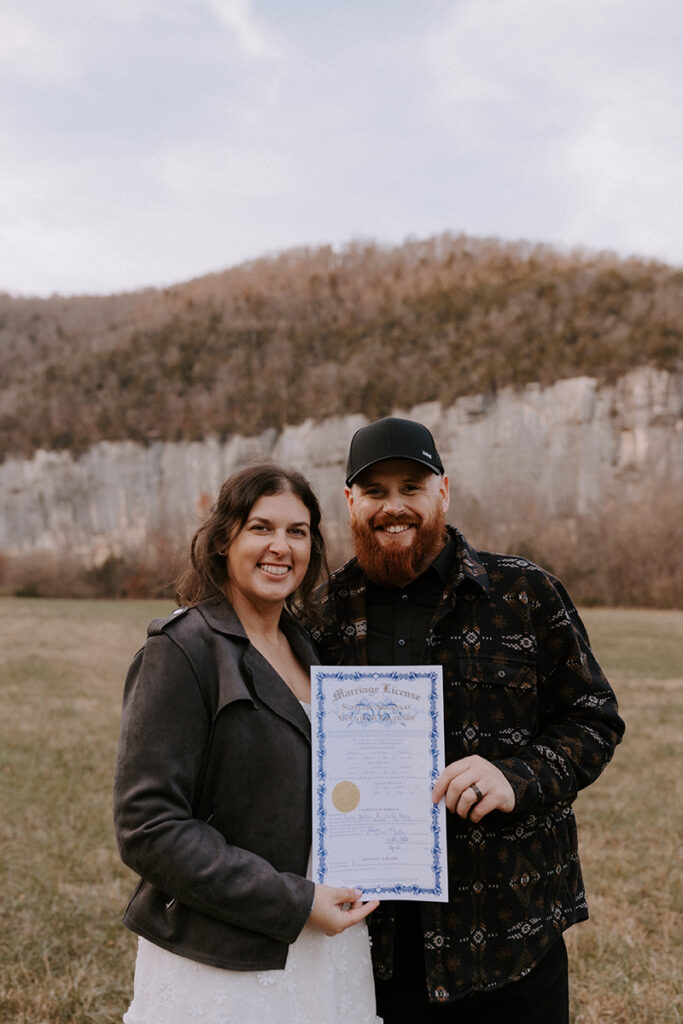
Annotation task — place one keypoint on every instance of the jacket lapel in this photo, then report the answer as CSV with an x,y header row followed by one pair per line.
x,y
467,569
262,681
270,689
350,597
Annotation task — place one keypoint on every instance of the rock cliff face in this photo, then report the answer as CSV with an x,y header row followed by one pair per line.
x,y
558,452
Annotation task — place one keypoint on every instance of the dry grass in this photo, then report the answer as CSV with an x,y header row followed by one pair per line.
x,y
65,959
626,961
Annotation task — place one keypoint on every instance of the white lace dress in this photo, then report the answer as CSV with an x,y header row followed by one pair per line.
x,y
326,980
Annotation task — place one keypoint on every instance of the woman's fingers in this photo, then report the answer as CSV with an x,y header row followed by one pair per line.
x,y
357,911
334,909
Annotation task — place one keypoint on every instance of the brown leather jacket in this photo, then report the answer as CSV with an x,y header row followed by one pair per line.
x,y
212,792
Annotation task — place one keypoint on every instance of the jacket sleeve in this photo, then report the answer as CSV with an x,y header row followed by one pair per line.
x,y
165,729
579,723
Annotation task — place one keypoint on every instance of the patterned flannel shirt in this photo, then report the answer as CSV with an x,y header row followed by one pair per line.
x,y
522,689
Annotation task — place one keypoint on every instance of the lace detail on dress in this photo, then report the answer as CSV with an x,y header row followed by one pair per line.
x,y
327,980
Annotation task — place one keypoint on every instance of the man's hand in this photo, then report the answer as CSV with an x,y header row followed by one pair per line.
x,y
334,910
463,781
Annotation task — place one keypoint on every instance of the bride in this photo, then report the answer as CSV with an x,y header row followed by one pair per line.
x,y
212,792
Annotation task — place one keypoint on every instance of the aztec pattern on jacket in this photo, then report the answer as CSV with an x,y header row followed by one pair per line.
x,y
522,689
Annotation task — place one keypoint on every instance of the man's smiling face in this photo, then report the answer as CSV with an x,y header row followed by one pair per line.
x,y
398,514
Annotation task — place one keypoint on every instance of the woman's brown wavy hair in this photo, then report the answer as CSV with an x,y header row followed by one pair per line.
x,y
205,573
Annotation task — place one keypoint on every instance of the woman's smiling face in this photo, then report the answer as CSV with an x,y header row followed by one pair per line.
x,y
268,558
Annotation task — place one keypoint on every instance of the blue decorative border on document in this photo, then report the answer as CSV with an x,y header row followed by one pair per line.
x,y
434,706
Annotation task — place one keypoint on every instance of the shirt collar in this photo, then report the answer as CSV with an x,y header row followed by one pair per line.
x,y
445,560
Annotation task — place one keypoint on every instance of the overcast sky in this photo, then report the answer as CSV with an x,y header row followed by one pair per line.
x,y
145,142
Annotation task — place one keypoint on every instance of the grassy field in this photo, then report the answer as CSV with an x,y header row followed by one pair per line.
x,y
64,957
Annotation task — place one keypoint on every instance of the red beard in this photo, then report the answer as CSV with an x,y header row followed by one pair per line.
x,y
397,566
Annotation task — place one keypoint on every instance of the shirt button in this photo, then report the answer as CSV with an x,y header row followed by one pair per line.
x,y
404,597
401,643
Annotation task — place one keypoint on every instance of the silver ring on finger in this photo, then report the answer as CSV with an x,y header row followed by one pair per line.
x,y
477,792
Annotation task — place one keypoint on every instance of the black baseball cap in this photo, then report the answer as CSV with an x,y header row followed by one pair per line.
x,y
391,438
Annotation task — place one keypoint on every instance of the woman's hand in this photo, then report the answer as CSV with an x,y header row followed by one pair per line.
x,y
334,910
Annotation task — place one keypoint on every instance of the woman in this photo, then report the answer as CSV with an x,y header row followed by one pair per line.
x,y
212,794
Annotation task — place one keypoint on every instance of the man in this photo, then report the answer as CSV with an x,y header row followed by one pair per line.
x,y
529,720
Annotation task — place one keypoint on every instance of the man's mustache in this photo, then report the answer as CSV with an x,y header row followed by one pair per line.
x,y
383,519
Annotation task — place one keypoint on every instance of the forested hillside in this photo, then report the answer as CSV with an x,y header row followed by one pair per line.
x,y
320,332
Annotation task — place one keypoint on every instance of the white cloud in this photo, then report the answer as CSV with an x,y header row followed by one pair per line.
x,y
622,176
31,50
584,98
145,141
225,173
256,40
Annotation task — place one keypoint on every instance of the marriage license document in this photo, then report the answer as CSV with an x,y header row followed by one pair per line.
x,y
377,735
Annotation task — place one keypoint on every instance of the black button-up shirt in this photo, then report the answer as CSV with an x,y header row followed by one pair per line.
x,y
398,623
399,617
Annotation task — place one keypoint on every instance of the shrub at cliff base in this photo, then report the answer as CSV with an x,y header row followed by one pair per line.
x,y
623,555
620,556
45,574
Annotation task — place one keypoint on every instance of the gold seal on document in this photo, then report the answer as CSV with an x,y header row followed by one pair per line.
x,y
345,796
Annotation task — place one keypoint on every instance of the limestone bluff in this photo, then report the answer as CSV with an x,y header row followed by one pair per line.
x,y
558,452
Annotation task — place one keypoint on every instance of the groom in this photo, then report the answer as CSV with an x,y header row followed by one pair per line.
x,y
529,720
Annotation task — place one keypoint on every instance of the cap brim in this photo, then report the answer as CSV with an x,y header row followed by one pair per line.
x,y
389,458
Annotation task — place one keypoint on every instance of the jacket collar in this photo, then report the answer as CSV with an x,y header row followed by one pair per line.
x,y
263,682
219,614
471,565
